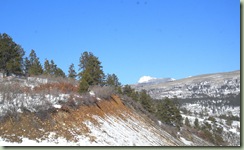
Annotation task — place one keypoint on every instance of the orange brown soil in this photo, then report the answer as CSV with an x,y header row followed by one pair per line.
x,y
63,123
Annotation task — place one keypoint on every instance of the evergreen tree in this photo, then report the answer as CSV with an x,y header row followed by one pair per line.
x,y
53,68
85,81
11,56
196,123
119,89
59,73
91,70
187,122
84,62
168,112
47,68
72,73
26,66
127,90
146,100
112,80
35,65
135,95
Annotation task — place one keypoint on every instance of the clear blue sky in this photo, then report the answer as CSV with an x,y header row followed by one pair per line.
x,y
132,38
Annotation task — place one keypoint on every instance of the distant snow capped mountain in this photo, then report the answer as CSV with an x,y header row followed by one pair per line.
x,y
153,80
211,85
145,79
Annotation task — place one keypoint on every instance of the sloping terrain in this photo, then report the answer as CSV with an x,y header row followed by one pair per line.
x,y
39,112
209,85
107,123
215,96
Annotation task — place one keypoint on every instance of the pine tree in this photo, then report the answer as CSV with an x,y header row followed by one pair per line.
x,y
134,95
85,81
72,73
47,69
145,100
196,124
127,90
11,56
112,80
53,68
168,112
35,65
59,73
26,66
91,70
187,122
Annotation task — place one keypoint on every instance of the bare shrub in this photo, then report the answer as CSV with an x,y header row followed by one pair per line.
x,y
10,101
44,113
170,129
53,79
129,102
9,91
74,104
13,115
65,108
75,101
14,98
3,119
43,109
88,100
103,92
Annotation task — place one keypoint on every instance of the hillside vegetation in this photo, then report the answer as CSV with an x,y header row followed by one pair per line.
x,y
208,103
53,113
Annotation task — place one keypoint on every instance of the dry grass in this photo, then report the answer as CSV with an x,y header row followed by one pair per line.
x,y
55,88
103,92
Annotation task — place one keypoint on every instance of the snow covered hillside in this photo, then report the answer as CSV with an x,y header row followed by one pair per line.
x,y
110,124
210,85
39,112
212,95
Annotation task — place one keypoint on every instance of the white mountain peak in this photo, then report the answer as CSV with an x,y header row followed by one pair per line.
x,y
145,79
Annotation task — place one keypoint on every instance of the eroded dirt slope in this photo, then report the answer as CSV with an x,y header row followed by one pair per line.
x,y
108,122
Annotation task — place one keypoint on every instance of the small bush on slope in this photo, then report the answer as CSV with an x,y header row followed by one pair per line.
x,y
104,92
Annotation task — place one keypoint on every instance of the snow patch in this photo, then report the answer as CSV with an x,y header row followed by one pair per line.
x,y
92,93
57,106
117,132
186,141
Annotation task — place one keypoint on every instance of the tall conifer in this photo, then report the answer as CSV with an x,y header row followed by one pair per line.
x,y
11,56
